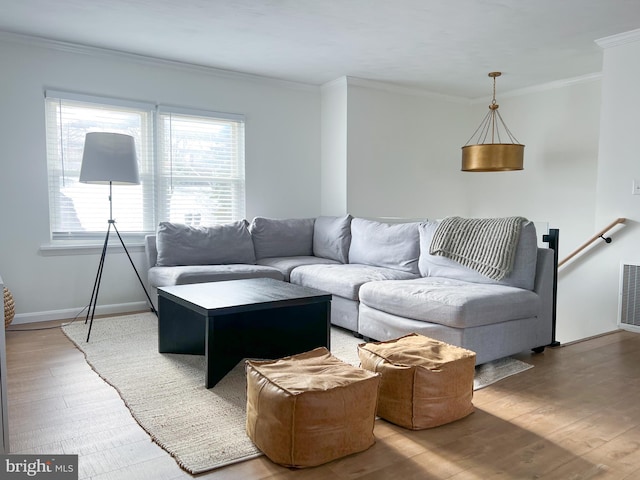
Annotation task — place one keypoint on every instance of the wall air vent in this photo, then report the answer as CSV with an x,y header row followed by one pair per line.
x,y
629,307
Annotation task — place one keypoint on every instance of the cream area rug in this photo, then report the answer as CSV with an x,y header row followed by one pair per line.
x,y
492,372
201,428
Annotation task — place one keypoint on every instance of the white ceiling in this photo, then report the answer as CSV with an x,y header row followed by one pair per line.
x,y
444,46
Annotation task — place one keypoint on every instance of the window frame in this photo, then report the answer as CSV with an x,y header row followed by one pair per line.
x,y
239,180
151,174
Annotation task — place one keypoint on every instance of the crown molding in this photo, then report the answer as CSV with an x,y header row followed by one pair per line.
x,y
79,49
338,82
567,82
41,42
619,39
395,88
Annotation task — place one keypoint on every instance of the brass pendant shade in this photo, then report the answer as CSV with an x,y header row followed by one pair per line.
x,y
492,156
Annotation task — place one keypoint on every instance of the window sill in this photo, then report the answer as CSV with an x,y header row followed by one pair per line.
x,y
68,248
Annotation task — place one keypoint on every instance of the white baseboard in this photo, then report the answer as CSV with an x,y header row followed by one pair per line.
x,y
70,313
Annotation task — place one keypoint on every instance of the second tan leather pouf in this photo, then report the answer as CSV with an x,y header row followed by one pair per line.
x,y
425,383
310,408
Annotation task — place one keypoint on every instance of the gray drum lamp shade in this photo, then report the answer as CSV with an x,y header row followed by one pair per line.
x,y
109,158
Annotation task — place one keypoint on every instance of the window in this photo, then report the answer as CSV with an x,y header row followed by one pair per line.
x,y
191,166
200,181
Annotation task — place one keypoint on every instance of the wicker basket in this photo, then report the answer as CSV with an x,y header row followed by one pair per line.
x,y
9,307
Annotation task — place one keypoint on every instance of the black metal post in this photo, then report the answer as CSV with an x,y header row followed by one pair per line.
x,y
553,238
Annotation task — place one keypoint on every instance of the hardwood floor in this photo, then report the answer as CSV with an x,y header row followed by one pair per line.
x,y
576,415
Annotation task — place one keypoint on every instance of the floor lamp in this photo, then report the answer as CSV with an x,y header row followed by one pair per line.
x,y
109,158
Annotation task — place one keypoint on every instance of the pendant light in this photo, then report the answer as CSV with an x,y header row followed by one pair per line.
x,y
489,153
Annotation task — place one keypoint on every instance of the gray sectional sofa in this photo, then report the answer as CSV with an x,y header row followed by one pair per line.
x,y
383,280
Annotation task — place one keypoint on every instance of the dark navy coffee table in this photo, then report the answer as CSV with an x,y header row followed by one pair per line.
x,y
231,320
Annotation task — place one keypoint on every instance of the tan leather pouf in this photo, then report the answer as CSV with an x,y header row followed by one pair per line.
x,y
310,408
425,383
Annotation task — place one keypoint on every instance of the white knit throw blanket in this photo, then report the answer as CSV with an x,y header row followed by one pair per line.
x,y
487,245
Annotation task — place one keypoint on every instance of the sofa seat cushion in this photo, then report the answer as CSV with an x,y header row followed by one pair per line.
x,y
454,303
166,276
287,264
344,280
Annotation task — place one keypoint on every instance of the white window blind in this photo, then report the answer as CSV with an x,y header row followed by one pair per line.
x,y
191,166
79,210
201,167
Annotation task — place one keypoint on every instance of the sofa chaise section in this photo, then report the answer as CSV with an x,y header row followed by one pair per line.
x,y
493,318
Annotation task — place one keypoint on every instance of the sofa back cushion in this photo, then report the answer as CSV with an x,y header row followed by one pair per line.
x,y
395,245
522,274
282,237
332,237
216,245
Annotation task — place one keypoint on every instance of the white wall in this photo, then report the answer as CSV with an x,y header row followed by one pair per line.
x,y
560,130
619,164
333,180
282,158
403,153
